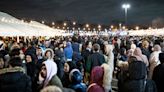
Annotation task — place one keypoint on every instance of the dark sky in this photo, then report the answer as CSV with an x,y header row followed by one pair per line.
x,y
90,11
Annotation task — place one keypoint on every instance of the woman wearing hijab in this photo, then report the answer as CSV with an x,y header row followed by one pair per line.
x,y
30,65
100,79
154,59
140,57
68,67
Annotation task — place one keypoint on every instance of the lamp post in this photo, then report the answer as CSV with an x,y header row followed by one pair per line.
x,y
126,6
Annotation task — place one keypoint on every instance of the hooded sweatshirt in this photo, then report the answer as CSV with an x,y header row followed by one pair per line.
x,y
68,52
51,71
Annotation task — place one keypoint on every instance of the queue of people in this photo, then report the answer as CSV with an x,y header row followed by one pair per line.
x,y
82,64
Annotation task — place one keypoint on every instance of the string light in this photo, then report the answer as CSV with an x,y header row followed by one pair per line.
x,y
65,24
111,26
99,26
53,23
42,22
87,25
74,23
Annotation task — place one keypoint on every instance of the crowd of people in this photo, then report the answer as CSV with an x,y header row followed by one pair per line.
x,y
82,64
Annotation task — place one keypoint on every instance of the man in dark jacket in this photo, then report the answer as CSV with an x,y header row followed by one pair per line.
x,y
75,45
137,81
88,50
158,74
13,79
96,59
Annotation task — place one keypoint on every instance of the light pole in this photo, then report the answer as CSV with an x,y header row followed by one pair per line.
x,y
126,6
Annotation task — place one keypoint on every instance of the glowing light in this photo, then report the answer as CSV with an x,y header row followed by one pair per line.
x,y
2,19
74,23
124,27
99,26
137,28
111,26
87,25
126,6
65,24
53,23
150,28
42,22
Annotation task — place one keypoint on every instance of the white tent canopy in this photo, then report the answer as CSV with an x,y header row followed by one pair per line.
x,y
155,32
10,26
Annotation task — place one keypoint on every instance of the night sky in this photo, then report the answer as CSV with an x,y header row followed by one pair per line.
x,y
86,11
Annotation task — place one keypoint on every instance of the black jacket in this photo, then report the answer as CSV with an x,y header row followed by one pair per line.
x,y
136,81
96,59
158,77
146,52
14,80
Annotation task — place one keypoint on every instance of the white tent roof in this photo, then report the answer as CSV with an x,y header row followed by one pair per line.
x,y
10,26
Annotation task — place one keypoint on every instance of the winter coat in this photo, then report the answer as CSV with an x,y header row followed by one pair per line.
x,y
75,47
68,52
96,59
146,52
59,54
96,80
86,53
31,70
60,67
95,88
154,61
14,80
137,81
109,67
75,78
65,80
55,81
158,77
107,77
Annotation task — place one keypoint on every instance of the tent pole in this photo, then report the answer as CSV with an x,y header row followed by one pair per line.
x,y
17,39
25,39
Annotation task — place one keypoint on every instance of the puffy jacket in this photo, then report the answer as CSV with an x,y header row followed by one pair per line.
x,y
14,80
76,81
